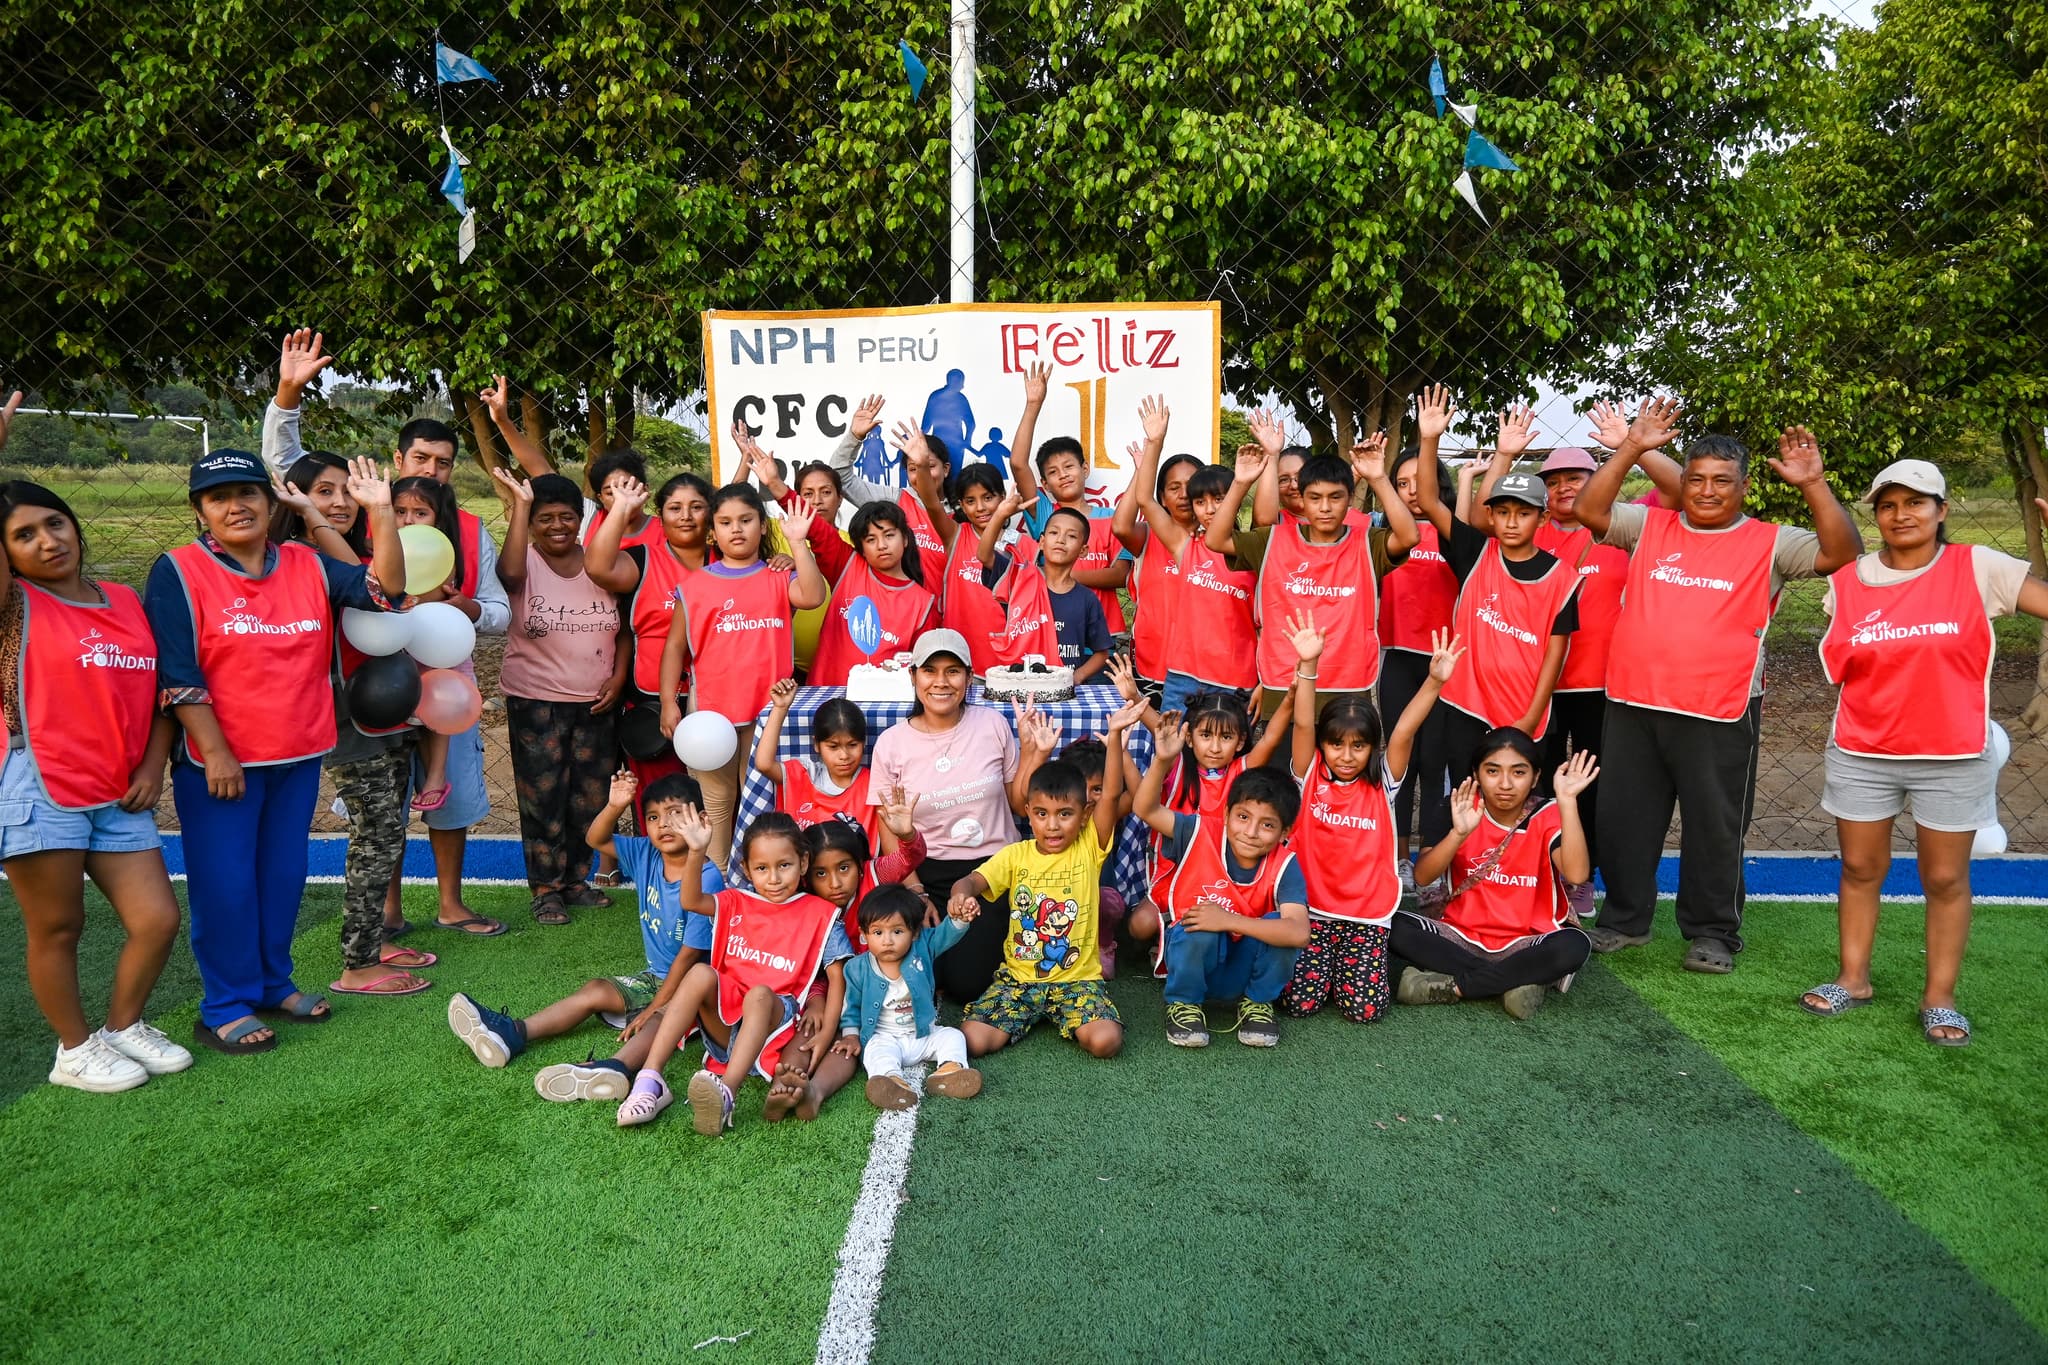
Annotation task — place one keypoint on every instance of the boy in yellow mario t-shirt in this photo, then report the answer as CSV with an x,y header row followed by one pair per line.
x,y
1051,967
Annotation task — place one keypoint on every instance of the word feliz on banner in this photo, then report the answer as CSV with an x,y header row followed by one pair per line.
x,y
956,371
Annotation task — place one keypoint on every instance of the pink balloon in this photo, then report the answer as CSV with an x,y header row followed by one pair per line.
x,y
449,701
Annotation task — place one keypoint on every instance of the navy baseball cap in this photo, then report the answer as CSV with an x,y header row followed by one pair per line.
x,y
1519,487
227,466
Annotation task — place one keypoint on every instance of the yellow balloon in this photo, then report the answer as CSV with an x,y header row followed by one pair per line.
x,y
807,623
429,558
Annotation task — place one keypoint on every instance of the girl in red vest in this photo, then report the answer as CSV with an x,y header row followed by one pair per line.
x,y
245,644
1909,641
84,767
650,580
1156,580
997,600
1506,929
834,782
1416,600
768,945
887,570
1345,833
734,634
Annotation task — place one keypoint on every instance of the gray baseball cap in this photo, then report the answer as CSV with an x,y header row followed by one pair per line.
x,y
1519,487
935,642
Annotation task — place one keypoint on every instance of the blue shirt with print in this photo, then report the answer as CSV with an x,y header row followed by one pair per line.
x,y
665,927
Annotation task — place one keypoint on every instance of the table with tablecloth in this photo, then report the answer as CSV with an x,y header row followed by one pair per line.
x,y
1087,714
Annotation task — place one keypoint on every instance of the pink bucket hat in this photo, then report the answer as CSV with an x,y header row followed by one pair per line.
x,y
1568,458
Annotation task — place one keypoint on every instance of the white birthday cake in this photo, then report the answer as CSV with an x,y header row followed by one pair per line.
x,y
885,681
1032,680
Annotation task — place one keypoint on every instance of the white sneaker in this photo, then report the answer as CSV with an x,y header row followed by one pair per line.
x,y
95,1066
140,1043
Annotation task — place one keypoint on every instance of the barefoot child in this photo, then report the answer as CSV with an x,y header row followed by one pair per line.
x,y
767,945
892,1005
1506,929
1050,967
1346,836
835,780
1236,906
671,938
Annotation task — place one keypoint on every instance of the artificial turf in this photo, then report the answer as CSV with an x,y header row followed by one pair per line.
x,y
1952,1136
368,1191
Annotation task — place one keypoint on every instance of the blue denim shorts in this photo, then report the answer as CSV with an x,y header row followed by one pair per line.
x,y
468,802
714,1052
30,824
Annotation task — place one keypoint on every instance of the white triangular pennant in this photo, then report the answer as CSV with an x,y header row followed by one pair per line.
x,y
1463,185
446,141
466,239
1467,112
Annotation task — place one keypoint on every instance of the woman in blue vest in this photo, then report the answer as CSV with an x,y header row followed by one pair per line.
x,y
245,640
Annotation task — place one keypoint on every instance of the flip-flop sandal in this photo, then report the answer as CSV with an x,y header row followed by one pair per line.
x,y
300,1013
426,959
1838,999
614,878
431,800
419,983
548,910
462,926
1943,1017
232,1043
395,932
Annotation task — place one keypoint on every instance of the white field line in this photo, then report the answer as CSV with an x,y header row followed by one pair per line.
x,y
848,1333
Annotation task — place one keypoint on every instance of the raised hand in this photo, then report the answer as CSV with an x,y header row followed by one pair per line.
x,y
782,694
1132,712
1251,463
696,829
520,489
1037,731
1369,458
498,398
1124,674
1037,378
1465,807
290,495
367,484
1010,505
1153,415
897,810
1433,411
1610,424
1517,429
1301,632
1576,775
7,415
796,521
1656,423
1445,649
911,442
1266,430
1170,737
624,786
629,495
866,417
1798,461
301,359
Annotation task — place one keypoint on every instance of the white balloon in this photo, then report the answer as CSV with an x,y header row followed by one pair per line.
x,y
442,637
706,740
2001,745
377,633
1989,843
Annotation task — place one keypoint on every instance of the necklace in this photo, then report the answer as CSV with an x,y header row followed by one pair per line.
x,y
944,762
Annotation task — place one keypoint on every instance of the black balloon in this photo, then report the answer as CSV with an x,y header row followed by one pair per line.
x,y
640,732
384,691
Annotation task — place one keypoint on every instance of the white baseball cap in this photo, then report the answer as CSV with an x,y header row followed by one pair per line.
x,y
1919,475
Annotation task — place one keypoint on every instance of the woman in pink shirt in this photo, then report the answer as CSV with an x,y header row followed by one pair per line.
x,y
960,763
562,677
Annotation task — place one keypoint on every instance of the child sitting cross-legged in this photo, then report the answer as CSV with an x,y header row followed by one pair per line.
x,y
671,937
1050,966
1235,905
891,1009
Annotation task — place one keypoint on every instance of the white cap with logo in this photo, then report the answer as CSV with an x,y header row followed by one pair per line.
x,y
1919,475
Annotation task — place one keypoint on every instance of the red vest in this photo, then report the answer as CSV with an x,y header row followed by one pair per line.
x,y
808,806
652,611
1418,596
650,533
1913,660
1345,836
780,945
1101,552
1203,875
1603,574
931,547
903,606
469,551
1002,624
1506,627
739,627
1693,618
265,649
1334,583
1213,638
1155,592
87,691
1521,897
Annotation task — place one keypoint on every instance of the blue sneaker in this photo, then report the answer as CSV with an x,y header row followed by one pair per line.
x,y
495,1038
590,1079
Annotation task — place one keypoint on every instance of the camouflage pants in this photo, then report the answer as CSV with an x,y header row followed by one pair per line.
x,y
561,767
374,791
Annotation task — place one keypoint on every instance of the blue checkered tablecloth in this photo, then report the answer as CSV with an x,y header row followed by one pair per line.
x,y
1087,714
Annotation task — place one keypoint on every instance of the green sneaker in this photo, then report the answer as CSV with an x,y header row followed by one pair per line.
x,y
1256,1025
1186,1025
1522,1001
1426,988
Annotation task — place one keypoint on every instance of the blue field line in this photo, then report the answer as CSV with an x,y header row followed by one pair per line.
x,y
2015,877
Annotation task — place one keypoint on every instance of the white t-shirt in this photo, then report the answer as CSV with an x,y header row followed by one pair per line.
x,y
899,1017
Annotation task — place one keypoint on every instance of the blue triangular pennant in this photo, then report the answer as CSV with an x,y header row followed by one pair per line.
x,y
1480,152
1436,85
453,68
451,187
913,69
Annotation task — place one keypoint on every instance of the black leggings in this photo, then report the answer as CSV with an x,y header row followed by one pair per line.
x,y
965,970
1420,943
1401,675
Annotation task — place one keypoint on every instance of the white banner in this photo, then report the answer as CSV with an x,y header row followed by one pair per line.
x,y
957,371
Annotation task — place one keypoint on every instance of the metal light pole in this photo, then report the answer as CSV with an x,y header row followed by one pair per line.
x,y
962,193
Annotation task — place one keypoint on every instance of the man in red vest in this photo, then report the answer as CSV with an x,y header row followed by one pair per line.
x,y
1685,673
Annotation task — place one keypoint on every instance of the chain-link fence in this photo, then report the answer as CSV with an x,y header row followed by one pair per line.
x,y
1779,218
